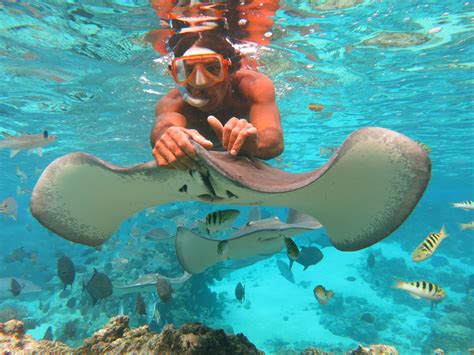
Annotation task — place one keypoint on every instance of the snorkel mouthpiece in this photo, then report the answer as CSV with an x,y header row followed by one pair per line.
x,y
193,101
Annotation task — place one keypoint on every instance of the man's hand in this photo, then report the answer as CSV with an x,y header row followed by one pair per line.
x,y
174,150
236,136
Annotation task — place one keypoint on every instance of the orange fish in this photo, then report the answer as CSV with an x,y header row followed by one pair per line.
x,y
322,295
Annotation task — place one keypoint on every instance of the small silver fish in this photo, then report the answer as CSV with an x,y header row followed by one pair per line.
x,y
26,142
20,174
9,207
464,226
465,205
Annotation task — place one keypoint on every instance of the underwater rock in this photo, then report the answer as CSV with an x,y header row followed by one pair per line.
x,y
192,338
117,337
329,5
396,39
13,339
377,349
453,332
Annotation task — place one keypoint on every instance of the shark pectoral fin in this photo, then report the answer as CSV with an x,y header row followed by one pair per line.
x,y
13,152
195,253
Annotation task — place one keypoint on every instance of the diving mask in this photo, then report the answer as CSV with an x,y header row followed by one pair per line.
x,y
200,70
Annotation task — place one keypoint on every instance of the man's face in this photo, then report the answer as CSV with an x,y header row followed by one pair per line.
x,y
215,94
204,73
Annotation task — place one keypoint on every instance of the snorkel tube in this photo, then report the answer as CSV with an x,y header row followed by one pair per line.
x,y
193,101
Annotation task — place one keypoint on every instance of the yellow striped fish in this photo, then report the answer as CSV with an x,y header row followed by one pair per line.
x,y
422,289
291,249
466,205
464,226
220,220
428,246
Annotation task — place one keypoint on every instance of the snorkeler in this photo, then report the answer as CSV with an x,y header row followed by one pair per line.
x,y
218,103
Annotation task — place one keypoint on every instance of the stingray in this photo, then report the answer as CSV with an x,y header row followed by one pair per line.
x,y
264,237
361,195
147,283
26,287
226,268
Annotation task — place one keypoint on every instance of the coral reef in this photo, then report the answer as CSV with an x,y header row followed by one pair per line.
x,y
454,331
376,349
117,337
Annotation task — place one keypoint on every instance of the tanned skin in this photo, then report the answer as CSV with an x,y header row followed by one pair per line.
x,y
241,115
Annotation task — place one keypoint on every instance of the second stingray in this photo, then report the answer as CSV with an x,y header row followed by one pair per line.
x,y
264,237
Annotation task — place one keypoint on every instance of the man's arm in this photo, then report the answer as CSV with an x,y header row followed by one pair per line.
x,y
167,113
265,116
170,139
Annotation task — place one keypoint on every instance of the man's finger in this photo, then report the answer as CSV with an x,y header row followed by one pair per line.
x,y
217,126
182,158
199,139
181,140
239,142
229,126
170,158
240,126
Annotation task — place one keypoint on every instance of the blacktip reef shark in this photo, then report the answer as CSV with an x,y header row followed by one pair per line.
x,y
264,237
147,284
361,195
26,142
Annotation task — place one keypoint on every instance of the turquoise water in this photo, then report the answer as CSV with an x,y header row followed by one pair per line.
x,y
89,78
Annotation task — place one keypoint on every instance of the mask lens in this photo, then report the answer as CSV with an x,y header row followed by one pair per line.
x,y
211,65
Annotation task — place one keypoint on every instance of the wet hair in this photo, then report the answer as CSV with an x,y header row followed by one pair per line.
x,y
213,40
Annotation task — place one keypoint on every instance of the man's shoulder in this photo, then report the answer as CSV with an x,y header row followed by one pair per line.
x,y
255,85
172,101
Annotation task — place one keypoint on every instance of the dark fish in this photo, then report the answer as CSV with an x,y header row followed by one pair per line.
x,y
164,289
29,323
40,305
350,278
66,270
64,293
367,317
15,287
240,292
140,306
18,254
71,303
308,256
285,271
87,252
10,313
70,329
370,261
99,286
48,334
